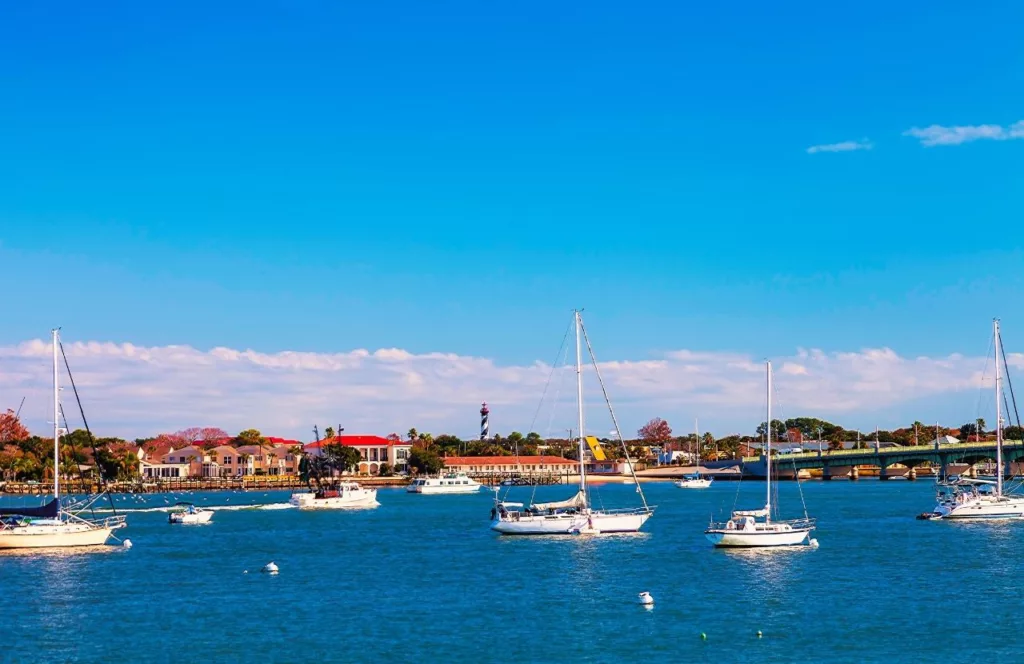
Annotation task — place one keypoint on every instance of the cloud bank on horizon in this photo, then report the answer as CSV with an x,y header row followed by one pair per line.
x,y
134,391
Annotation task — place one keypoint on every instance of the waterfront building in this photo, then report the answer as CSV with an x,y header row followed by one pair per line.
x,y
496,465
373,451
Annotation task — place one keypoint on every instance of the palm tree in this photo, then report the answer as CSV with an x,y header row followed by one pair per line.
x,y
980,423
413,434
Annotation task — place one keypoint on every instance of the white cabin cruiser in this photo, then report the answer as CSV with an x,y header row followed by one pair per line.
x,y
340,496
445,483
189,513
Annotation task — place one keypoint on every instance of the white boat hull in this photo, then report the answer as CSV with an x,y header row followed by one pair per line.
x,y
984,507
702,483
428,490
774,535
356,499
571,524
186,518
46,536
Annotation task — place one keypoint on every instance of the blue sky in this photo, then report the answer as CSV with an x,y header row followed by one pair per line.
x,y
456,177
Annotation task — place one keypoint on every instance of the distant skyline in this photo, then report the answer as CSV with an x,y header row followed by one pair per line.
x,y
712,182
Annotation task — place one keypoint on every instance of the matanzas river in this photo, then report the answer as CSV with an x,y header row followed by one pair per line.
x,y
422,579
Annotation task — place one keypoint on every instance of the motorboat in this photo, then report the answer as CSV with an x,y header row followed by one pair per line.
x,y
458,482
189,513
339,496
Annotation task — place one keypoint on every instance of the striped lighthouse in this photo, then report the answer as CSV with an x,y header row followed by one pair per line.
x,y
484,412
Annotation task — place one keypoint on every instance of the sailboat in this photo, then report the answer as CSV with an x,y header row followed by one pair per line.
x,y
967,498
694,480
575,515
757,528
53,525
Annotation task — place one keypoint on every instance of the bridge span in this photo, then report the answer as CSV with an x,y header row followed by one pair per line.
x,y
909,456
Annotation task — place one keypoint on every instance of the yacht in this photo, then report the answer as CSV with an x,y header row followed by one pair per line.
x,y
756,528
445,483
189,513
575,515
53,525
694,480
339,496
973,499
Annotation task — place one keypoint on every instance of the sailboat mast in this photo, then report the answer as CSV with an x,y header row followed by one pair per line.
x,y
999,414
579,401
768,446
696,437
56,420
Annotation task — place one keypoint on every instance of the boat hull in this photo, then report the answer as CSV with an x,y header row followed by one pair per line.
x,y
55,536
428,490
983,508
731,538
185,518
693,484
308,501
572,524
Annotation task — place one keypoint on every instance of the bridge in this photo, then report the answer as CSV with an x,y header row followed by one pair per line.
x,y
938,455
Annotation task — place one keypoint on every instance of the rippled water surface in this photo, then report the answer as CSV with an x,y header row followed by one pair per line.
x,y
421,578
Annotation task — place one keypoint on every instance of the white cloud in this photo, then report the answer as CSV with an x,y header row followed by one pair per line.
x,y
940,135
132,391
845,146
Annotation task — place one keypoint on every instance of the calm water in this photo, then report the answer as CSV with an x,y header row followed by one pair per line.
x,y
422,579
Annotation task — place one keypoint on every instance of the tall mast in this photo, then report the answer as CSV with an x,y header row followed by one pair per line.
x,y
696,434
768,446
579,401
56,420
999,415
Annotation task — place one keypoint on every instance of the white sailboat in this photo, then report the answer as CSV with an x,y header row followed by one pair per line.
x,y
574,515
975,499
695,480
756,528
52,525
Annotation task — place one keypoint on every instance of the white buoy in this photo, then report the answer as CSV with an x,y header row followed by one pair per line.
x,y
270,568
127,544
646,599
813,543
245,571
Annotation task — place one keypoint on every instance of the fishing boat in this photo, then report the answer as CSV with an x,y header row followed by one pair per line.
x,y
756,528
55,525
339,496
188,513
445,483
694,480
574,515
969,499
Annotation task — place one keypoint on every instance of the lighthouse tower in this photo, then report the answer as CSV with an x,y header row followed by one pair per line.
x,y
484,412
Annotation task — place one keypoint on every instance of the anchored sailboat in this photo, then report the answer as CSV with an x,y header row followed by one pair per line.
x,y
971,499
52,525
694,480
756,528
574,515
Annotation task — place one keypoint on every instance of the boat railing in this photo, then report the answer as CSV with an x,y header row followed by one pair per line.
x,y
796,524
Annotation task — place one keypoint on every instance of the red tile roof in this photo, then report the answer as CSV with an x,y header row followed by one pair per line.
x,y
353,440
507,461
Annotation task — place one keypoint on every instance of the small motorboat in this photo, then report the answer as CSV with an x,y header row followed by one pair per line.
x,y
189,513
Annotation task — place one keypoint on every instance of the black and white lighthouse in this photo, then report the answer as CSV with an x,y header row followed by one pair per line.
x,y
484,412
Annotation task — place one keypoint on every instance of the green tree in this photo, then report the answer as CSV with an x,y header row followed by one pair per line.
x,y
251,437
425,461
413,434
1013,433
342,458
386,470
328,433
778,429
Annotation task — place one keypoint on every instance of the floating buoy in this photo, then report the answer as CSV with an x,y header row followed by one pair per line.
x,y
759,634
245,571
127,544
270,568
813,543
703,636
646,599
